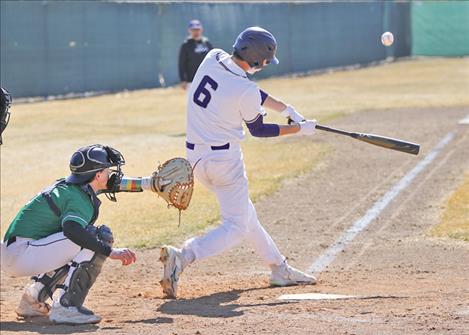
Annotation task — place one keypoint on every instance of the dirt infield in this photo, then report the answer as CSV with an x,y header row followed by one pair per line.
x,y
413,283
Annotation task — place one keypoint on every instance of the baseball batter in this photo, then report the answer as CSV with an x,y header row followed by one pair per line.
x,y
222,99
53,239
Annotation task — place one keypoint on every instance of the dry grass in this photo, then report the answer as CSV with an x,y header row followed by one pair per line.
x,y
455,218
419,83
147,126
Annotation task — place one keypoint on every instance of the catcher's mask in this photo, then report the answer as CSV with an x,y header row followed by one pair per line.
x,y
89,160
5,103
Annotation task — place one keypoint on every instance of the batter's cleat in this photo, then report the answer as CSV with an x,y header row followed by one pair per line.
x,y
30,307
173,263
285,275
72,315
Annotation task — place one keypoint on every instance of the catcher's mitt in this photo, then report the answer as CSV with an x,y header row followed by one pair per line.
x,y
174,182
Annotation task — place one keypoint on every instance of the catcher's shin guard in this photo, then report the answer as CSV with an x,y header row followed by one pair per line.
x,y
51,281
86,272
82,279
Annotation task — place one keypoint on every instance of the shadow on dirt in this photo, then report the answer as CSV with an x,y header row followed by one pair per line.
x,y
216,305
44,326
152,321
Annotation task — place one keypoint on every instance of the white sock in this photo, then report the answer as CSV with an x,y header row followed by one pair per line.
x,y
57,295
188,256
277,267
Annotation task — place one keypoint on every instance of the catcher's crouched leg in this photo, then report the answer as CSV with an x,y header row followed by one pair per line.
x,y
33,302
68,307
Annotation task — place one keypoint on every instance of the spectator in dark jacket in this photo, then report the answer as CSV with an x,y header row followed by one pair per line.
x,y
192,53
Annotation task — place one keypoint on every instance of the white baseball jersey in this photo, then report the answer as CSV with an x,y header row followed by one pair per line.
x,y
220,100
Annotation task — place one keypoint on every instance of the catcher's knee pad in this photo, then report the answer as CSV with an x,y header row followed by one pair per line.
x,y
51,281
85,273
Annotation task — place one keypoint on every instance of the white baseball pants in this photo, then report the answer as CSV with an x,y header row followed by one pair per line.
x,y
28,257
223,172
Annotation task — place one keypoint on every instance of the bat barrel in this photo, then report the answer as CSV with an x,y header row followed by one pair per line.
x,y
390,143
381,141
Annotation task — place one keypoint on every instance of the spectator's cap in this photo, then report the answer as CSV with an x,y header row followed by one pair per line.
x,y
194,24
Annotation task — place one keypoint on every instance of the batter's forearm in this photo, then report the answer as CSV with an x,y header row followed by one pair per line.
x,y
274,104
258,128
285,110
288,130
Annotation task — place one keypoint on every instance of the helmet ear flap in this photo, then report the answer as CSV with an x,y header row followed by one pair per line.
x,y
77,161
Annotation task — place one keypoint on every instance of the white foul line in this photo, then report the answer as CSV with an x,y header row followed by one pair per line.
x,y
328,256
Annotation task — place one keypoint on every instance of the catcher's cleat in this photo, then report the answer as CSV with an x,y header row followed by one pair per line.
x,y
30,307
173,263
72,315
285,275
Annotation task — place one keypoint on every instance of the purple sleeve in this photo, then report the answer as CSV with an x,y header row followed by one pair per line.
x,y
264,96
258,128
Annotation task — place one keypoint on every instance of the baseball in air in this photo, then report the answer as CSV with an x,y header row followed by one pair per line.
x,y
387,38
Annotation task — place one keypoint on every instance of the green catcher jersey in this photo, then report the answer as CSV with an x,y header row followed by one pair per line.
x,y
37,220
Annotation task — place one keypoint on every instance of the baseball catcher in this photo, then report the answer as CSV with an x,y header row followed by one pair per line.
x,y
54,239
5,103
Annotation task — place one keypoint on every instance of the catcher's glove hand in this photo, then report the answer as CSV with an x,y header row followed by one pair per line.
x,y
174,182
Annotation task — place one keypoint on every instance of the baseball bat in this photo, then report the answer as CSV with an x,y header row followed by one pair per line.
x,y
381,141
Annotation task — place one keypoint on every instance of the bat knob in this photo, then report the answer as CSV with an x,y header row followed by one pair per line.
x,y
290,121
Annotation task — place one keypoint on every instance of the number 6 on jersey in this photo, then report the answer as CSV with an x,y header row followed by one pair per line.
x,y
203,90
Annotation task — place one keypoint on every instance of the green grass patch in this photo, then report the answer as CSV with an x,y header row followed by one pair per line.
x,y
455,218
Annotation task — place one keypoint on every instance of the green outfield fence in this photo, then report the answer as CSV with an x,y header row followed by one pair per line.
x,y
63,47
440,28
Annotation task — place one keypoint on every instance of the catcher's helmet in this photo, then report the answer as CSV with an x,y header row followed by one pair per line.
x,y
256,46
5,103
87,161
